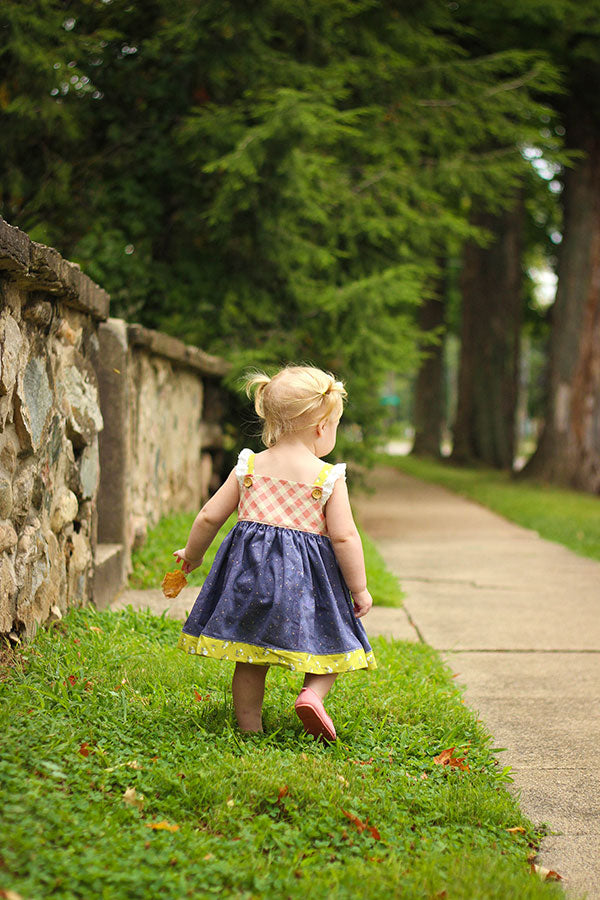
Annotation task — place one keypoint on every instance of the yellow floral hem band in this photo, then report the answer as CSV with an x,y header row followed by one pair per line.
x,y
295,660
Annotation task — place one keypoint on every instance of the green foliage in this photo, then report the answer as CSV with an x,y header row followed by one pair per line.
x,y
151,719
273,181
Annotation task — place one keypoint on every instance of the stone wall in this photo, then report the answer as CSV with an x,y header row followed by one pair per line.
x,y
104,427
158,449
49,423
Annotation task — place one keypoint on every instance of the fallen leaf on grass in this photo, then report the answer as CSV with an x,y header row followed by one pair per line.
x,y
96,628
85,749
282,792
362,826
132,798
161,826
545,874
11,895
134,764
518,829
198,697
445,758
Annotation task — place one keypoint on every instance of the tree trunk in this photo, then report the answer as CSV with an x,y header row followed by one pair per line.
x,y
492,308
428,400
568,452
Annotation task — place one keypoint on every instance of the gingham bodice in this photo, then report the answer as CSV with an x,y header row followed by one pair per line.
x,y
288,504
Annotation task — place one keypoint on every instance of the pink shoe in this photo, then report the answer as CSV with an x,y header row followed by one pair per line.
x,y
311,712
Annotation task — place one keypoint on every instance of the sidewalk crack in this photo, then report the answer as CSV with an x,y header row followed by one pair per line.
x,y
475,584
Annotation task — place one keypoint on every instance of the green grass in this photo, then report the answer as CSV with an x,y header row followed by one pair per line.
x,y
568,517
155,558
257,816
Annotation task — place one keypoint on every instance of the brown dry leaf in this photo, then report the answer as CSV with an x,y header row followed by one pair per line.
x,y
85,749
282,792
161,826
134,764
11,895
362,826
445,758
132,798
173,583
546,874
518,829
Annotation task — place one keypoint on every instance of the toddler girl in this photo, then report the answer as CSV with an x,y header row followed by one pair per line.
x,y
288,583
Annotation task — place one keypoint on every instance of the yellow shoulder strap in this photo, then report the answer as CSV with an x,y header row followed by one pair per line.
x,y
250,469
322,476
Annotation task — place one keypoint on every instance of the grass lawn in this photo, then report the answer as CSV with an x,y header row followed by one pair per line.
x,y
155,558
122,776
568,517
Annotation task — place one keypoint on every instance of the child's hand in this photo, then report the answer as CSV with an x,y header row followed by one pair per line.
x,y
187,565
362,603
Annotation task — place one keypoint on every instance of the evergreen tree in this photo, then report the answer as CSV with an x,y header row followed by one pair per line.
x,y
569,448
276,181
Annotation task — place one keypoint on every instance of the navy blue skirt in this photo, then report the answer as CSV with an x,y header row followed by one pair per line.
x,y
277,596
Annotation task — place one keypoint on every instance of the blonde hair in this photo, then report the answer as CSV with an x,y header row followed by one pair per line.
x,y
295,398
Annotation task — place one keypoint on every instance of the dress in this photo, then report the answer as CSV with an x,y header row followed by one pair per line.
x,y
275,594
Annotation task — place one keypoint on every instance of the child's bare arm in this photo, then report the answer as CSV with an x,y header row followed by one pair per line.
x,y
347,547
213,514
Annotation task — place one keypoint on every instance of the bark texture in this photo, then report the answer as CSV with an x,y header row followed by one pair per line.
x,y
568,452
492,309
428,405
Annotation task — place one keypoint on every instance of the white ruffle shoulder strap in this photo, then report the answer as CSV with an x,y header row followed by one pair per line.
x,y
337,471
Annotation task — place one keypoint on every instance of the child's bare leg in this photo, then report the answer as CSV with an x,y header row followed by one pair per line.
x,y
248,688
320,684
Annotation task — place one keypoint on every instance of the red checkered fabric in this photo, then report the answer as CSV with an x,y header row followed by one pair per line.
x,y
289,504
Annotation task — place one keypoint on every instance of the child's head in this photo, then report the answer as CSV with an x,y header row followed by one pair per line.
x,y
296,398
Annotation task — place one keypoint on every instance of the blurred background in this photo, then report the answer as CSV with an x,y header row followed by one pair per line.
x,y
405,193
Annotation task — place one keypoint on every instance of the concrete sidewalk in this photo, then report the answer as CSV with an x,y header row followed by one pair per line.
x,y
518,618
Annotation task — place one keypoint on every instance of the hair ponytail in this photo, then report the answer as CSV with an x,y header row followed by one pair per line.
x,y
297,397
255,385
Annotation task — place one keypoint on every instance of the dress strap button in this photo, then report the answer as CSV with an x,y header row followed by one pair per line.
x,y
247,480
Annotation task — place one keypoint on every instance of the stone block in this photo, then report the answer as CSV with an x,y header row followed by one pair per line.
x,y
113,441
175,350
11,341
8,593
84,417
8,537
64,510
15,248
89,470
23,491
35,402
108,574
49,271
6,501
38,312
8,456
